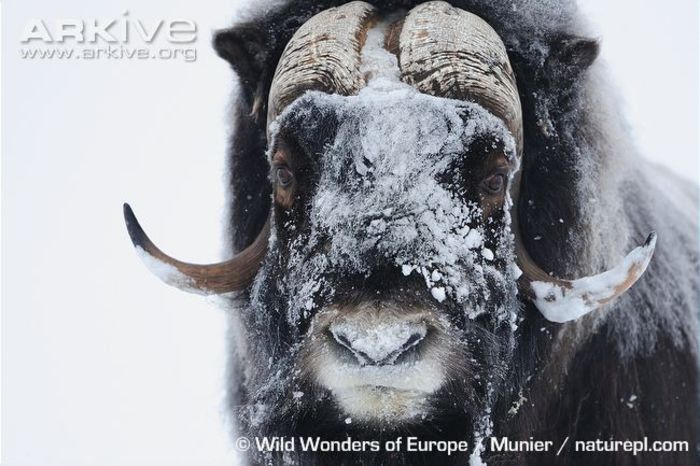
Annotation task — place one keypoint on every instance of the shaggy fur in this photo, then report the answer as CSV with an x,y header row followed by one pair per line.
x,y
586,198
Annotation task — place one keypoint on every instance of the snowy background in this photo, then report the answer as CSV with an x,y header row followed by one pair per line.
x,y
101,363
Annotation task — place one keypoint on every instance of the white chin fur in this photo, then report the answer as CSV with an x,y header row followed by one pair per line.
x,y
368,403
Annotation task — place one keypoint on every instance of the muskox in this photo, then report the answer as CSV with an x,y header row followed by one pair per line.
x,y
431,205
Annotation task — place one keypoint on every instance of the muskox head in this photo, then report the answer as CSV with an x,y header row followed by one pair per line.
x,y
389,280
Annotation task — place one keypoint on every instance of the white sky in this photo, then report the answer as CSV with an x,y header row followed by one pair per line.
x,y
651,48
103,365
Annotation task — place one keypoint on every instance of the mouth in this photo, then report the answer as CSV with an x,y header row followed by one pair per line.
x,y
390,392
422,376
383,404
380,363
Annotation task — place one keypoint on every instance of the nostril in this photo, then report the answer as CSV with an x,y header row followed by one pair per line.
x,y
342,340
378,345
406,349
412,341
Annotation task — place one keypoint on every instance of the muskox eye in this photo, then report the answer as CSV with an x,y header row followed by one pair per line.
x,y
494,184
284,176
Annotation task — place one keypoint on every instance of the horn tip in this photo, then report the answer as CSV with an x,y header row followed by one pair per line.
x,y
136,233
651,240
128,212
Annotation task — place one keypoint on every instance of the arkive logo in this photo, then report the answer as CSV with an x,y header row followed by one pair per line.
x,y
124,37
123,29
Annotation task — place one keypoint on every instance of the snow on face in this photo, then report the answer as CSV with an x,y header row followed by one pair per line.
x,y
380,199
387,184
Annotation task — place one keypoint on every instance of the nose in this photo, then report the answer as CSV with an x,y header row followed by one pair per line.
x,y
378,345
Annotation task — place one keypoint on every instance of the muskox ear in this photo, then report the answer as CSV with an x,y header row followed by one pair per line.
x,y
243,47
570,56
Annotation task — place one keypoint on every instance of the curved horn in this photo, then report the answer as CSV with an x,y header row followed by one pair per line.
x,y
324,54
232,275
565,300
448,52
561,300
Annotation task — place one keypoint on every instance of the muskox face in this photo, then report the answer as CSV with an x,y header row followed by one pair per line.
x,y
381,292
393,259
